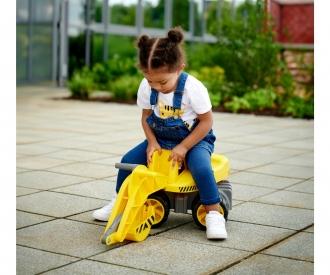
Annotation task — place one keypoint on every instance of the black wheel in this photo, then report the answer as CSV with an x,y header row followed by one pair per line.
x,y
160,202
199,212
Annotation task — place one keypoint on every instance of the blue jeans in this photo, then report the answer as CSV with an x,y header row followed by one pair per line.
x,y
198,160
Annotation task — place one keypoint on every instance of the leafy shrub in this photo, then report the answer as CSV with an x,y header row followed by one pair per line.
x,y
261,99
81,84
298,107
125,87
213,79
252,101
236,104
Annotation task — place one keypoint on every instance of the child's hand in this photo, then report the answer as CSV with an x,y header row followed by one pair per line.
x,y
152,147
178,154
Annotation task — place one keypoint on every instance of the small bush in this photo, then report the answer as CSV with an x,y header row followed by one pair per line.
x,y
298,107
81,84
261,99
125,87
236,104
213,79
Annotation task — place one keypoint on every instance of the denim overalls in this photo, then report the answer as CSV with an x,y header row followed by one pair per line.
x,y
170,132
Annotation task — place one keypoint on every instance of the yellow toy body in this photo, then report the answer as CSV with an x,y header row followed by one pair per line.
x,y
148,193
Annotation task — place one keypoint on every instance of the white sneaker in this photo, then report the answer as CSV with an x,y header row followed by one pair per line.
x,y
103,213
215,226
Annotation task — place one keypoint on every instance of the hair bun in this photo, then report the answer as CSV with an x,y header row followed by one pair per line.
x,y
175,35
143,40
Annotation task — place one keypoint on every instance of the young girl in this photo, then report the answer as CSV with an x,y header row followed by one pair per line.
x,y
176,115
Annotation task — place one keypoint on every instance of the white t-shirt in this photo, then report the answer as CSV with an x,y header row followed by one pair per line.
x,y
195,100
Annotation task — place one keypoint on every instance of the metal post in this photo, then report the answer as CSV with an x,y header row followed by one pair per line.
x,y
63,66
139,17
55,41
191,18
88,34
105,20
219,7
233,8
168,14
203,19
30,33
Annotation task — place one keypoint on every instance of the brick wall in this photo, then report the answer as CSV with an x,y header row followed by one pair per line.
x,y
294,23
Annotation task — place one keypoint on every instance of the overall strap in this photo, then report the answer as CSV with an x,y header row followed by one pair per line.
x,y
177,98
153,97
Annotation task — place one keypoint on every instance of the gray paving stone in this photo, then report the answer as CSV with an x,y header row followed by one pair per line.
x,y
242,236
111,161
39,162
33,261
100,189
171,256
239,164
263,264
21,191
76,155
24,219
56,204
93,267
67,143
306,187
266,154
174,220
262,180
301,160
259,139
246,192
45,180
21,170
306,144
34,149
222,147
300,247
63,236
84,169
289,198
285,170
272,215
310,229
303,131
107,148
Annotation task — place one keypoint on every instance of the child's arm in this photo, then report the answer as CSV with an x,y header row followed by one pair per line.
x,y
201,130
152,141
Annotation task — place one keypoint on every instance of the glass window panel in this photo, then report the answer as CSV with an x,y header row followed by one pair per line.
x,y
181,14
77,11
198,17
123,46
122,12
41,52
211,17
43,10
96,48
22,10
22,42
77,42
96,11
154,12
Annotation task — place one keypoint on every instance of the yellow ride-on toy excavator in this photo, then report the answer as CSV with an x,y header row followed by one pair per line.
x,y
148,194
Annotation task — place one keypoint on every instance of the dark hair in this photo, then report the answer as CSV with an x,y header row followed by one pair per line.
x,y
167,51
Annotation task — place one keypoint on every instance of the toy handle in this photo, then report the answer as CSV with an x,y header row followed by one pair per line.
x,y
126,166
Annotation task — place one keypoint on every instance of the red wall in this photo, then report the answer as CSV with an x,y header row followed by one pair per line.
x,y
293,23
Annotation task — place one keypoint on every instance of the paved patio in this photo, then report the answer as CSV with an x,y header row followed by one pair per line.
x,y
66,152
